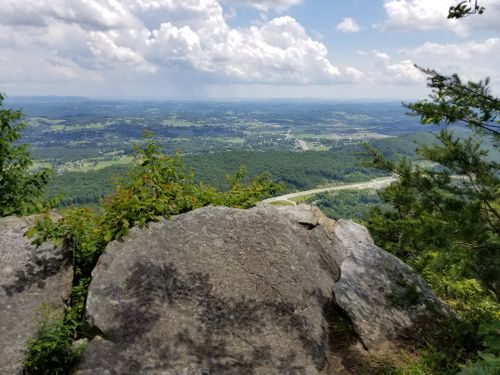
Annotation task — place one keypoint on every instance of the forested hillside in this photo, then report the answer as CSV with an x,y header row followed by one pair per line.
x,y
296,170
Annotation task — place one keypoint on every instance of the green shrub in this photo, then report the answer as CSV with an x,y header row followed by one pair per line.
x,y
52,351
20,189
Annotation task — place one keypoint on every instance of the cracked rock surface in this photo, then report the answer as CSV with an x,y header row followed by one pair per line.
x,y
228,291
30,280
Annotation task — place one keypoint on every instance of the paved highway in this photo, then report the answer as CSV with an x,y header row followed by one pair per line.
x,y
376,183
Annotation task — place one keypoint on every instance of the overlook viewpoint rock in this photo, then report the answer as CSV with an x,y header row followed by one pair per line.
x,y
225,291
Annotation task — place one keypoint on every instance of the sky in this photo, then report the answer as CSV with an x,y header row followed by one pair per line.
x,y
238,49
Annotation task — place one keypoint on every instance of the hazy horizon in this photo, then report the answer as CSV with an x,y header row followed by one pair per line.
x,y
208,100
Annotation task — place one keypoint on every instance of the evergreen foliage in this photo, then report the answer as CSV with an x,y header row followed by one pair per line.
x,y
20,189
464,9
445,220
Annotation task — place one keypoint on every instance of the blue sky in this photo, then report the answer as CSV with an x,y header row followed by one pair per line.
x,y
352,49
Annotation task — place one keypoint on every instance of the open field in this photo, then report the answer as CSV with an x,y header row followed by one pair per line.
x,y
74,131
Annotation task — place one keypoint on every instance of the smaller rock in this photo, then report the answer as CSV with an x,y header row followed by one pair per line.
x,y
31,279
383,297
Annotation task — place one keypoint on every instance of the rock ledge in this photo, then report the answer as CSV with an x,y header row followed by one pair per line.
x,y
227,291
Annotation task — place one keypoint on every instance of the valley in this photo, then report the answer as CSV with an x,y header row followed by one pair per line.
x,y
303,144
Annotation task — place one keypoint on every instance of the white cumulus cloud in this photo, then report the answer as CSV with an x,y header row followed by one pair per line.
x,y
90,14
265,5
462,51
163,36
401,72
348,25
472,60
432,14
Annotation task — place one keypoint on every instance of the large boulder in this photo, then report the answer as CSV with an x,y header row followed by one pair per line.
x,y
31,280
227,291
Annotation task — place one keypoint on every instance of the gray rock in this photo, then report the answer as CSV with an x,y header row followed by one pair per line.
x,y
383,297
29,280
227,291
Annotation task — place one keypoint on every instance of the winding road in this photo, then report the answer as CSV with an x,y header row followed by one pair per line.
x,y
375,184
